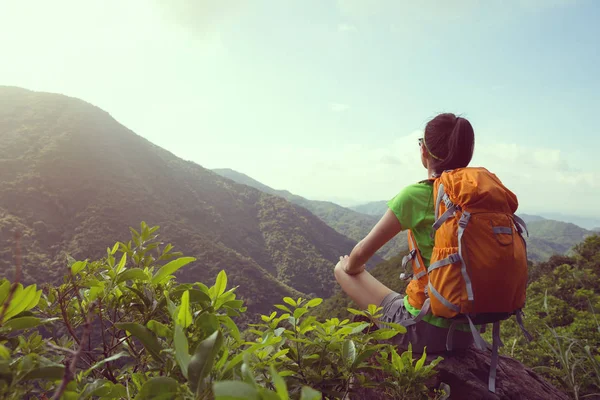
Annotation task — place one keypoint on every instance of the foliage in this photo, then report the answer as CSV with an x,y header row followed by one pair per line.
x,y
122,327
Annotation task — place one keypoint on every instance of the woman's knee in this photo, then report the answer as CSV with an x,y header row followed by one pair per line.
x,y
339,272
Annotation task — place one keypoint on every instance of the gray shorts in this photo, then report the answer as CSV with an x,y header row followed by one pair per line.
x,y
422,334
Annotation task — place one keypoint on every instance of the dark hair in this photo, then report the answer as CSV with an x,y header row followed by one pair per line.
x,y
450,141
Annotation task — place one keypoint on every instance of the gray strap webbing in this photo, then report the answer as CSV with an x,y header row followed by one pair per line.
x,y
451,259
496,342
462,224
445,216
519,316
419,275
438,201
442,299
450,337
424,311
479,341
507,230
520,221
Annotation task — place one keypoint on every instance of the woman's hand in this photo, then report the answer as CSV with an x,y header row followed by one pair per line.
x,y
344,264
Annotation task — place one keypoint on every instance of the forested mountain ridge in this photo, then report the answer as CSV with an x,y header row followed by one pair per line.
x,y
73,179
346,221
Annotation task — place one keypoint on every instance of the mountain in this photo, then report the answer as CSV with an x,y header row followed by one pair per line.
x,y
549,237
350,223
74,180
528,218
376,208
586,222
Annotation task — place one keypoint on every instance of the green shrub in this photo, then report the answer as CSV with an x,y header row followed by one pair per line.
x,y
123,328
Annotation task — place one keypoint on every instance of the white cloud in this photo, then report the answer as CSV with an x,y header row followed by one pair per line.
x,y
347,28
338,107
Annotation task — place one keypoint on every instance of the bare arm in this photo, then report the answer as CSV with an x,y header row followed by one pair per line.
x,y
387,227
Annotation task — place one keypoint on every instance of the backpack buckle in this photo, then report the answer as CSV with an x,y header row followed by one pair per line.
x,y
405,277
464,219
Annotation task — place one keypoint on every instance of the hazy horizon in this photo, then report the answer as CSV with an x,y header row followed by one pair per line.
x,y
327,99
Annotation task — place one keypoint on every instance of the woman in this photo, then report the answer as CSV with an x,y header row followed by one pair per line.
x,y
448,143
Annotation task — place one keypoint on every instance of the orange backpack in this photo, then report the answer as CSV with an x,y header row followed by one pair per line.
x,y
478,268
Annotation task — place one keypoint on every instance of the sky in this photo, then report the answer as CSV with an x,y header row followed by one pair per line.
x,y
327,98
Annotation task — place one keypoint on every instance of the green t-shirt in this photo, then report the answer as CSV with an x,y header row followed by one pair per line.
x,y
415,210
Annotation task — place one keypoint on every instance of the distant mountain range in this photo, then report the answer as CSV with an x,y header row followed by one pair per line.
x,y
350,223
74,180
547,237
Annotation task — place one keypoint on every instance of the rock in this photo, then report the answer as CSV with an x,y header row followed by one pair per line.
x,y
467,374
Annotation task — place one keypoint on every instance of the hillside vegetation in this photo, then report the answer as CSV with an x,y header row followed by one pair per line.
x,y
124,328
73,179
352,224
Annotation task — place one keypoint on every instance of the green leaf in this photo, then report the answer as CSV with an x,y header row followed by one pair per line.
x,y
184,317
198,296
279,383
145,336
355,312
283,308
106,360
220,284
77,267
372,309
115,248
100,388
290,301
168,269
421,361
133,274
4,352
363,356
159,388
235,390
20,301
299,312
182,350
230,324
50,372
354,329
314,303
349,351
4,289
208,323
159,329
384,334
35,301
121,263
310,394
22,323
203,359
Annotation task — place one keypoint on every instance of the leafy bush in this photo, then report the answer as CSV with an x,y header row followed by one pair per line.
x,y
123,328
